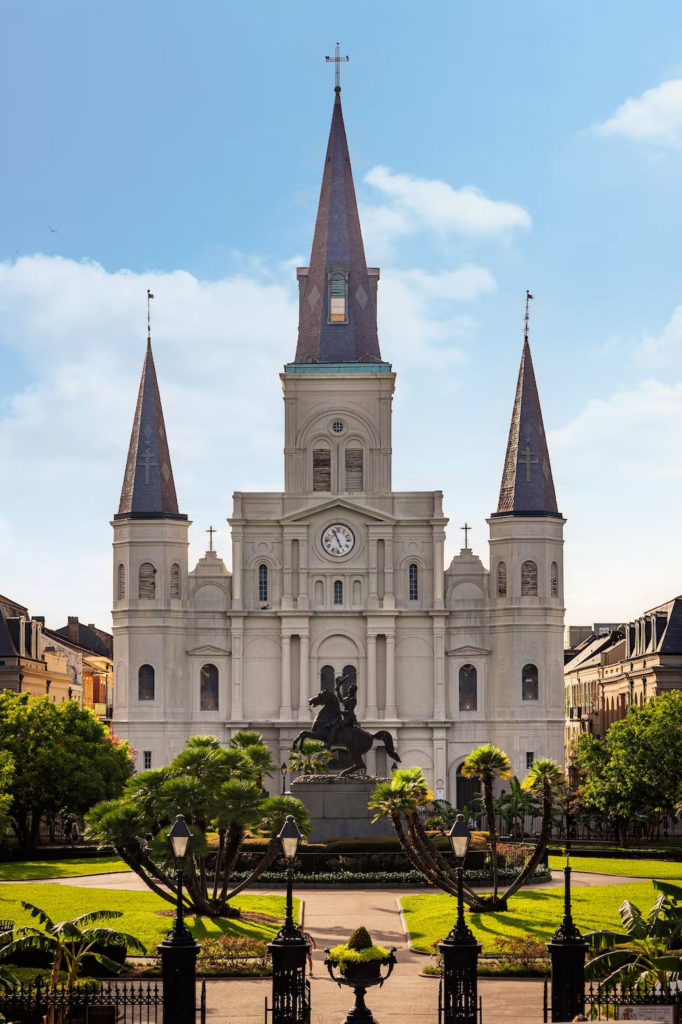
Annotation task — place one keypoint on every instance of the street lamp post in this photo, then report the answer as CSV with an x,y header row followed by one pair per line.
x,y
290,990
568,950
283,772
458,995
179,950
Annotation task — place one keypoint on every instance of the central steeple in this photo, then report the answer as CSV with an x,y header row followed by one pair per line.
x,y
338,307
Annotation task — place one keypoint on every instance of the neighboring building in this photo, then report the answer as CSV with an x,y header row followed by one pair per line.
x,y
339,573
25,666
576,637
93,672
627,666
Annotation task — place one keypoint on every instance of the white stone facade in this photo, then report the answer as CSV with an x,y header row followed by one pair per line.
x,y
408,632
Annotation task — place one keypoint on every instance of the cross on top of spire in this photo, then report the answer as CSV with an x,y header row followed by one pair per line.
x,y
526,318
338,60
149,315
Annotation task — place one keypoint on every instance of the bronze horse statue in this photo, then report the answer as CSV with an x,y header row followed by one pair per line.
x,y
329,727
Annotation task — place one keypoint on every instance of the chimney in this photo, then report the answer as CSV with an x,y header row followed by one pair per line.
x,y
39,618
73,629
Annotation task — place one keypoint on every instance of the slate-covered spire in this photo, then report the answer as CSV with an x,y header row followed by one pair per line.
x,y
527,486
148,490
338,311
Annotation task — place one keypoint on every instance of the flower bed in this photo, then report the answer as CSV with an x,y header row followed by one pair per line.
x,y
541,874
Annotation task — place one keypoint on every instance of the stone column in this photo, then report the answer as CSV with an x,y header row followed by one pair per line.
x,y
237,596
302,601
373,596
237,668
287,598
389,596
438,566
371,707
285,701
438,667
391,710
304,678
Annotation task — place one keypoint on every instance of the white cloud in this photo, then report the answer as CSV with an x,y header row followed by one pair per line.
x,y
666,347
416,204
655,116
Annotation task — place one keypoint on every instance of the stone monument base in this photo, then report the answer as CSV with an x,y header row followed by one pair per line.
x,y
338,806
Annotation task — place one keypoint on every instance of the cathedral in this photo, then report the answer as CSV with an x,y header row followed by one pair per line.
x,y
338,573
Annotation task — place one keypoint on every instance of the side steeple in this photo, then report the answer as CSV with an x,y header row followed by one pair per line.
x,y
148,490
338,308
527,485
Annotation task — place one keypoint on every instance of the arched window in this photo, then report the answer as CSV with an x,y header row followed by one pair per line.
x,y
529,579
350,674
468,688
147,580
357,592
319,593
145,683
554,580
529,682
337,299
327,678
262,583
353,458
413,581
175,580
501,579
322,469
338,592
121,582
208,688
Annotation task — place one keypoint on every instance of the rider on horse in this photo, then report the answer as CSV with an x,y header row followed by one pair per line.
x,y
347,718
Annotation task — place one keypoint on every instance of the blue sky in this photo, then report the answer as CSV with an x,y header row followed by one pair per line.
x,y
496,147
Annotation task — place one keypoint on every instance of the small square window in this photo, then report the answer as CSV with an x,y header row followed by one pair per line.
x,y
147,759
530,759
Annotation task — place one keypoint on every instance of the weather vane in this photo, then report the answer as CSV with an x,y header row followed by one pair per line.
x,y
149,315
526,317
338,60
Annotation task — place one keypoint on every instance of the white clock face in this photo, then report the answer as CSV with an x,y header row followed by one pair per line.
x,y
338,540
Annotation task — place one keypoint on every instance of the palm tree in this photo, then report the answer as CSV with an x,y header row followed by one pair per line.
x,y
489,763
273,813
545,780
69,942
245,737
515,805
312,758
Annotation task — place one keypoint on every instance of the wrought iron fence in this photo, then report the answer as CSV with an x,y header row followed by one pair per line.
x,y
620,1002
99,1003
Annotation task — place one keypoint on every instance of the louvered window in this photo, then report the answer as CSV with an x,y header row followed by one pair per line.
x,y
337,299
468,688
529,682
209,688
147,580
322,469
413,574
145,683
262,583
554,579
529,579
338,592
175,580
354,468
121,583
501,579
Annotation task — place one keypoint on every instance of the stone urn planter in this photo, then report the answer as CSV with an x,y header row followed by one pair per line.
x,y
359,964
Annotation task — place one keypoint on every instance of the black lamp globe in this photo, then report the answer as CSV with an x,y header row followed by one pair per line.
x,y
290,838
460,839
180,837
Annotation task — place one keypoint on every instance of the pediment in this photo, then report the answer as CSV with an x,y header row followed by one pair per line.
x,y
467,650
207,649
340,504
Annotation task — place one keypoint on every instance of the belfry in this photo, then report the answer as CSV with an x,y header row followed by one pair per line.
x,y
339,574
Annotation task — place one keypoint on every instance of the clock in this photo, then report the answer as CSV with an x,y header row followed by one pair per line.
x,y
338,540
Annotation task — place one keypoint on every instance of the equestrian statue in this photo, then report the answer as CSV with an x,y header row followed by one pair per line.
x,y
336,725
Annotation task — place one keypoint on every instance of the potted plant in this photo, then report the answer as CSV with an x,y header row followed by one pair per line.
x,y
359,964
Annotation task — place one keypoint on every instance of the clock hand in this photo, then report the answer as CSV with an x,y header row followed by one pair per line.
x,y
337,540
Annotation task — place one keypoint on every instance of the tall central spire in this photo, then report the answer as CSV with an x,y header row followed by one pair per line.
x,y
338,310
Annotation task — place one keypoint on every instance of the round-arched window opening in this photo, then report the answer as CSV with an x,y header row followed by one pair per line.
x,y
337,426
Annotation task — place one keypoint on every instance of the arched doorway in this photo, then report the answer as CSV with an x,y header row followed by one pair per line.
x,y
467,789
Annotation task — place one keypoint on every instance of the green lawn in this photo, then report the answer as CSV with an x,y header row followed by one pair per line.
x,y
17,871
618,866
533,912
63,902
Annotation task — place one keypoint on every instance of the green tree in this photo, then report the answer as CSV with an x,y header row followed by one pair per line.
x,y
219,792
513,807
312,758
488,763
635,770
6,779
62,757
69,942
547,781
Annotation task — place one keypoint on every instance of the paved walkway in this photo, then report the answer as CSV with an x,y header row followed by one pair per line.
x,y
330,916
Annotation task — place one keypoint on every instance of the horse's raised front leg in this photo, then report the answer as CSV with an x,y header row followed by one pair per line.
x,y
304,734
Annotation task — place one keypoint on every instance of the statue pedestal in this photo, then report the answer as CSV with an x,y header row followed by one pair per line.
x,y
338,806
